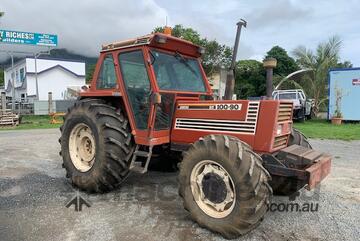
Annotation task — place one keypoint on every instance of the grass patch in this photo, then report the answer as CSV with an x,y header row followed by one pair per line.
x,y
33,122
323,129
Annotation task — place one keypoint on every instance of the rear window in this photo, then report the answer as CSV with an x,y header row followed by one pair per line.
x,y
287,96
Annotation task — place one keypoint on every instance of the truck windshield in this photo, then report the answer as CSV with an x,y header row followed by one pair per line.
x,y
176,72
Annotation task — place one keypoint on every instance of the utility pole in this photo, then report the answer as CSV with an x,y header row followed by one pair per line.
x,y
12,83
36,56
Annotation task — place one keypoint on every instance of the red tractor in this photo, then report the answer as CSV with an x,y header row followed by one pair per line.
x,y
150,95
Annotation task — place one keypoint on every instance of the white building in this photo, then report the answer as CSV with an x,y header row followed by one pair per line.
x,y
53,75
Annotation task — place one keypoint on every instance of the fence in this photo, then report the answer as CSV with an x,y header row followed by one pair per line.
x,y
42,107
39,107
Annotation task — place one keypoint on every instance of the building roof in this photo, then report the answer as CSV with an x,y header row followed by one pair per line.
x,y
43,58
57,66
57,59
70,67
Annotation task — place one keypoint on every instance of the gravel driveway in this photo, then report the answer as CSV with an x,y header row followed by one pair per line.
x,y
34,191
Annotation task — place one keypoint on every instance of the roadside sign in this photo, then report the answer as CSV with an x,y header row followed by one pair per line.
x,y
16,37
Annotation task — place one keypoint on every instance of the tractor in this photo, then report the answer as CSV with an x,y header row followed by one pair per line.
x,y
150,96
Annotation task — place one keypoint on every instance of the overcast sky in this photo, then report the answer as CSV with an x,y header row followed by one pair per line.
x,y
82,26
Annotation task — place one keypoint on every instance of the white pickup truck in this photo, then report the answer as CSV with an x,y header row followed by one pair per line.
x,y
302,106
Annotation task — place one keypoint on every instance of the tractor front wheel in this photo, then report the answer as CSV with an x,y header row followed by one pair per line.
x,y
96,145
224,186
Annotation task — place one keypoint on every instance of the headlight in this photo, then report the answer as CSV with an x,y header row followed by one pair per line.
x,y
279,129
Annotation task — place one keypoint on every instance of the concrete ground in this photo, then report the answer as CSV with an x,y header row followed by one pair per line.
x,y
34,191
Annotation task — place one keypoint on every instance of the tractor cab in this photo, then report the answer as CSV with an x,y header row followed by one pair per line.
x,y
151,73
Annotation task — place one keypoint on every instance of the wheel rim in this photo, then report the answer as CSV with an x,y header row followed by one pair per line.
x,y
213,189
82,147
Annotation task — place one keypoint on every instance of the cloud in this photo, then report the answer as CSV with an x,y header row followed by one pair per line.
x,y
82,26
278,12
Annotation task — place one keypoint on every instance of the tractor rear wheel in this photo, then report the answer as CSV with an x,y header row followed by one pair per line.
x,y
224,186
96,145
288,186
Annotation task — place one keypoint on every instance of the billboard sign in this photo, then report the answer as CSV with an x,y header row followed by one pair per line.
x,y
39,39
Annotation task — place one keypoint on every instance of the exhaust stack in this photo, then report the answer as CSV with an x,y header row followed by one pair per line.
x,y
230,78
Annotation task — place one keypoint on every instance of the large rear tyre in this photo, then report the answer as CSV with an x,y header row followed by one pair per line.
x,y
224,186
96,145
288,186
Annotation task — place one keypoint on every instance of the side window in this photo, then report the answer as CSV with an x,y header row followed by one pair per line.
x,y
107,75
137,83
133,70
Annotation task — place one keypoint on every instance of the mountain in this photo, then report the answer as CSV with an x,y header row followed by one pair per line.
x,y
58,53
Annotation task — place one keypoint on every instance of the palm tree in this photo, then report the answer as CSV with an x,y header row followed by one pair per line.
x,y
326,56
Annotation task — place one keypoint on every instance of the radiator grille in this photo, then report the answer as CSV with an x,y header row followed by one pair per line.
x,y
280,141
246,127
284,115
285,111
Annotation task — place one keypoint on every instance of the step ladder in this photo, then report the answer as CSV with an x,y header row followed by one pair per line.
x,y
137,166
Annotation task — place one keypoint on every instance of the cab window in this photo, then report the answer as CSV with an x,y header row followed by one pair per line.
x,y
177,72
137,83
107,75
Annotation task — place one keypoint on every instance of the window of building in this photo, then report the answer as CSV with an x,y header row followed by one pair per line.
x,y
22,75
17,76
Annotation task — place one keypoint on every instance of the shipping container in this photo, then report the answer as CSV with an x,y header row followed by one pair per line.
x,y
345,83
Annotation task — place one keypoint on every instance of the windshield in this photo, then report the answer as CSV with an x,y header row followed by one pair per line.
x,y
176,72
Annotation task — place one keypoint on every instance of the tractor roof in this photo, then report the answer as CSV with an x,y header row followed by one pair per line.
x,y
158,40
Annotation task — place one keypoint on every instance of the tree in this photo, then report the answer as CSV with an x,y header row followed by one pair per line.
x,y
216,55
250,79
321,60
345,64
285,64
181,32
90,68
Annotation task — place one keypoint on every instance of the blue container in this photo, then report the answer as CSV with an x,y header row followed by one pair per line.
x,y
348,81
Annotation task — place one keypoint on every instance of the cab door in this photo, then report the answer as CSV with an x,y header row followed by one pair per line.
x,y
138,87
152,120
